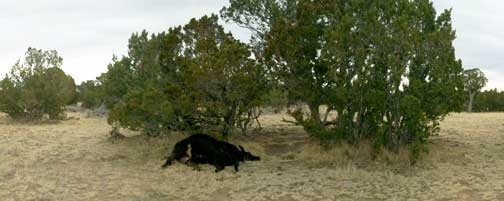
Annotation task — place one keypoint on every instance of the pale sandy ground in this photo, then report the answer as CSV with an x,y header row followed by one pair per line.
x,y
75,160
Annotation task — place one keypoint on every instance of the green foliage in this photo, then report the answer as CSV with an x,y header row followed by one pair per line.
x,y
222,77
116,81
37,87
474,81
276,98
142,88
387,68
489,101
90,94
195,77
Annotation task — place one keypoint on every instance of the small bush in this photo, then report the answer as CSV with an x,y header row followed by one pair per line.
x,y
37,87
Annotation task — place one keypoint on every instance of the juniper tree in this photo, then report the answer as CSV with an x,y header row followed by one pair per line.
x,y
387,68
192,77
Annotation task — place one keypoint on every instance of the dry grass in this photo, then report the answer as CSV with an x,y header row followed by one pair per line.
x,y
75,160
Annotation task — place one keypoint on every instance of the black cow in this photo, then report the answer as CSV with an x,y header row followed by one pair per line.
x,y
203,149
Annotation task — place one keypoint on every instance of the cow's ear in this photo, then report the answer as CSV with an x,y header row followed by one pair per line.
x,y
242,149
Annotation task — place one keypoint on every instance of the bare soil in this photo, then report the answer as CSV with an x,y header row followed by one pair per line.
x,y
76,160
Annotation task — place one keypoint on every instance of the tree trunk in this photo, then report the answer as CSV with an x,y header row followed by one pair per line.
x,y
471,100
229,121
315,113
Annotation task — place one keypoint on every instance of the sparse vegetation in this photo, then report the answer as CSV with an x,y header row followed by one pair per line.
x,y
46,161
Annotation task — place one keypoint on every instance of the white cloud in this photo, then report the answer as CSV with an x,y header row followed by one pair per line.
x,y
480,36
495,79
88,32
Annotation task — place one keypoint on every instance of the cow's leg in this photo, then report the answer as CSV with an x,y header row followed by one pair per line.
x,y
195,166
173,157
236,164
179,152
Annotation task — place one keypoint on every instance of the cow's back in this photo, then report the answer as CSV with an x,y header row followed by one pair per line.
x,y
206,149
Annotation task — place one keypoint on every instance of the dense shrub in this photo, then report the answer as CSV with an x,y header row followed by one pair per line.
x,y
192,77
37,87
145,90
116,81
387,68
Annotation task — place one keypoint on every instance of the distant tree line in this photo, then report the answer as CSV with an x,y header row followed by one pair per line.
x,y
90,94
477,100
489,101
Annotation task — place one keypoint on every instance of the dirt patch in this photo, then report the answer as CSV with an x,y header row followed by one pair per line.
x,y
281,149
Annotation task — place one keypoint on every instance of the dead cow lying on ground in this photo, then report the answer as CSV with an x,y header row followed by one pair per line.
x,y
203,149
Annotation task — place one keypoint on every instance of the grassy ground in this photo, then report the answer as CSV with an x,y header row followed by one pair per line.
x,y
75,160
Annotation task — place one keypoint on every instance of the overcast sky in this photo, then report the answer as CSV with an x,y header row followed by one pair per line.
x,y
87,33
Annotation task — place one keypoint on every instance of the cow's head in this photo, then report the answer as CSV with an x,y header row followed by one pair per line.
x,y
248,156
